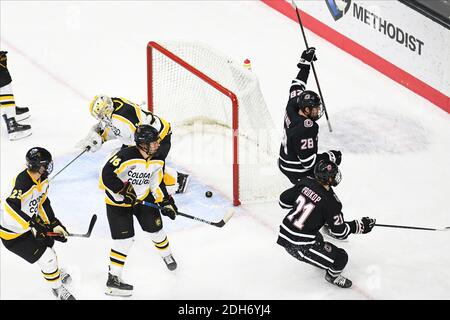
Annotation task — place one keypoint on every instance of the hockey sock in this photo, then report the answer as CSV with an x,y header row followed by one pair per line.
x,y
118,255
161,243
49,268
7,103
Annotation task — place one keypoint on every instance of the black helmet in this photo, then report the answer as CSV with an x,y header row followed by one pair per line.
x,y
144,135
38,157
310,99
327,172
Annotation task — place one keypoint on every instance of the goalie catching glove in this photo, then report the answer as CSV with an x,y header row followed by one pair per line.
x,y
169,208
93,140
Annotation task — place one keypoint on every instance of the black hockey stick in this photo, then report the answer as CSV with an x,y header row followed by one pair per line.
x,y
81,235
312,64
86,149
219,224
415,228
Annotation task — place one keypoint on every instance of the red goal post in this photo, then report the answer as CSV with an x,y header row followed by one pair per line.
x,y
206,79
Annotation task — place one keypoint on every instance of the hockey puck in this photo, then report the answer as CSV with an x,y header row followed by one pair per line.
x,y
208,194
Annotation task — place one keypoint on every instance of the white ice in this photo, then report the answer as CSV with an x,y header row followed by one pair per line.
x,y
395,148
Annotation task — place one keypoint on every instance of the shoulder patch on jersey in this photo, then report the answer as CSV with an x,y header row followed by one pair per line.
x,y
308,123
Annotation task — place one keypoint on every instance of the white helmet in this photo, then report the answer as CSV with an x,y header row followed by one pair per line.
x,y
101,107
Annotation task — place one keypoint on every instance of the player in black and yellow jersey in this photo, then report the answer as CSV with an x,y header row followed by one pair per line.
x,y
28,216
118,119
128,177
9,111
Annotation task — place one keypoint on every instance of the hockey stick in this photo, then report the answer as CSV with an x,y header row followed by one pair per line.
x,y
81,235
219,224
415,228
86,149
312,64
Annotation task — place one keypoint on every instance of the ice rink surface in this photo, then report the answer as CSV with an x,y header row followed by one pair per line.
x,y
395,164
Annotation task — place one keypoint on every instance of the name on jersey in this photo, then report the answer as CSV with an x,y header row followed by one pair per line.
x,y
311,194
139,178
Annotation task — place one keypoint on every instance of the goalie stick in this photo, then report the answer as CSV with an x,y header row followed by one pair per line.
x,y
82,235
219,224
415,228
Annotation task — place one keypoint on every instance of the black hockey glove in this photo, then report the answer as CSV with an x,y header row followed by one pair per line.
x,y
308,56
40,228
169,208
3,53
365,225
57,227
128,193
335,156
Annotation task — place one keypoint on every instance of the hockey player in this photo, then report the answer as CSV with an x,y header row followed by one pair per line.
x,y
312,203
9,111
118,119
28,216
299,148
128,177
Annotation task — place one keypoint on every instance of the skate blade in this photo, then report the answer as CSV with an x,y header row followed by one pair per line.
x,y
19,135
118,292
22,117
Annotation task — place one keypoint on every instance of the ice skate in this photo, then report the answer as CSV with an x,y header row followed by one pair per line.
x,y
170,262
339,281
182,180
22,113
116,287
16,131
62,293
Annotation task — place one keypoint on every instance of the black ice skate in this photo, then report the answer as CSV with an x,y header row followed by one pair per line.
x,y
339,281
62,293
182,180
116,287
170,262
16,131
22,113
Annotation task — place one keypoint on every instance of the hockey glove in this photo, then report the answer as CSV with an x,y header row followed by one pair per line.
x,y
93,140
364,225
169,208
128,193
39,227
57,227
308,56
335,156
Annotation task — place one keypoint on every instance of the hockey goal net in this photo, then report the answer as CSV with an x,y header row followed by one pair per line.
x,y
203,93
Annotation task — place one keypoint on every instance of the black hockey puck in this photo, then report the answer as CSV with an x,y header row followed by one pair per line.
x,y
208,194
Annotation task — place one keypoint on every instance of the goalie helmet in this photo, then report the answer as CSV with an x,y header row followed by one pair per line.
x,y
101,107
310,99
38,158
327,172
145,137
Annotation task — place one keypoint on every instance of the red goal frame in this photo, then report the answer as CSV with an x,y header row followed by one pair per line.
x,y
151,46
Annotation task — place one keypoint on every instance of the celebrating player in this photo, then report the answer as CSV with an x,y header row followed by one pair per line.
x,y
312,203
9,111
130,176
118,119
298,151
28,217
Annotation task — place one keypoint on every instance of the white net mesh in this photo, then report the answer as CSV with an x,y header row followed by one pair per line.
x,y
201,118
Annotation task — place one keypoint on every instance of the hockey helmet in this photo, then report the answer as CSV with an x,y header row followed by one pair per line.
x,y
38,157
101,107
310,99
327,172
144,136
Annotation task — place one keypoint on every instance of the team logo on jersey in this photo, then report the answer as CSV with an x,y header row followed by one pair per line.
x,y
308,123
338,7
158,222
327,247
